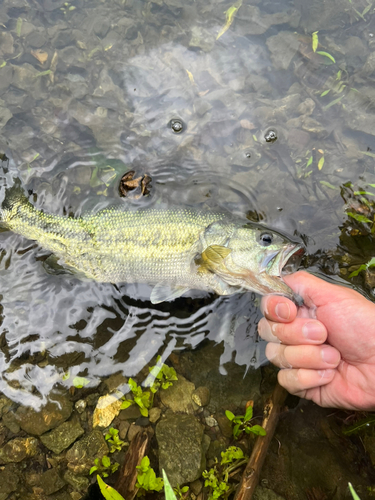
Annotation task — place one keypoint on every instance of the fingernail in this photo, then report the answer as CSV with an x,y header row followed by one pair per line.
x,y
330,355
313,330
282,310
265,331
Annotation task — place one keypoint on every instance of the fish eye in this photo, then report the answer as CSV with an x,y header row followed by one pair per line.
x,y
265,239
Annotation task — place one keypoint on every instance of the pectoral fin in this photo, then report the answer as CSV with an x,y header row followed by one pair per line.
x,y
161,293
212,257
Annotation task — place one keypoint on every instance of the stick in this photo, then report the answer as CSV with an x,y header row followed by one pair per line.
x,y
250,477
127,479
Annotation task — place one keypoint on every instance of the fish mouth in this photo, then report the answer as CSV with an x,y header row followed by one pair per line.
x,y
291,259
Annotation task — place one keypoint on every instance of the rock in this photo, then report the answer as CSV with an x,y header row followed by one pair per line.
x,y
201,39
178,396
82,454
201,396
79,483
253,22
266,494
101,27
154,415
6,77
225,425
18,449
123,429
283,48
6,43
196,486
106,410
63,39
211,421
181,454
5,115
63,436
132,412
50,481
50,416
133,431
313,126
10,423
306,107
114,382
80,405
8,480
36,40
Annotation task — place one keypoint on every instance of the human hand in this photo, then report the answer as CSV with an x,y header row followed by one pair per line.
x,y
326,347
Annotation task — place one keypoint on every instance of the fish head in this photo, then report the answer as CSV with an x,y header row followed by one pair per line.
x,y
256,258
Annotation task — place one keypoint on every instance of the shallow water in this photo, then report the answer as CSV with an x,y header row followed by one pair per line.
x,y
116,73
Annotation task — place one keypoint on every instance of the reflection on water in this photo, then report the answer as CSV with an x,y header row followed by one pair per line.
x,y
92,92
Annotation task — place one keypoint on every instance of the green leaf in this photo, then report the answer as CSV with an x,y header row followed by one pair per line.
x,y
93,469
4,63
315,40
19,26
230,416
367,153
108,492
354,494
229,14
321,163
126,403
258,430
80,382
359,218
106,461
43,73
363,192
326,54
248,413
236,430
328,185
325,93
332,103
168,490
309,161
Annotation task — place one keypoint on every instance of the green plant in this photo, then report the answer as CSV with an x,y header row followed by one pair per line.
x,y
352,491
168,490
113,439
180,492
104,466
217,478
143,399
161,375
146,478
108,492
241,424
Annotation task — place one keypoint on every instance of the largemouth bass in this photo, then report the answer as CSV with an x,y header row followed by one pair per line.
x,y
176,249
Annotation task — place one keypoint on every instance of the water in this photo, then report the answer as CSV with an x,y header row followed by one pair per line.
x,y
145,85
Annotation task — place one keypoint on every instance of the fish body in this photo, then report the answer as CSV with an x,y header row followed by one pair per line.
x,y
176,249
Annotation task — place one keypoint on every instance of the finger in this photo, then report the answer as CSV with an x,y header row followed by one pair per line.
x,y
300,331
278,308
305,356
299,381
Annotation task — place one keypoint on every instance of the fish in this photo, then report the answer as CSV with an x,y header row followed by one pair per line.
x,y
175,249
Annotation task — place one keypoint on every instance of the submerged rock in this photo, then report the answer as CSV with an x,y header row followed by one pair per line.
x,y
51,481
8,480
178,397
18,449
82,454
50,416
106,410
181,448
63,436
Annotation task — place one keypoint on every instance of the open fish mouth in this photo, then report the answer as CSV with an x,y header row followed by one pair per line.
x,y
291,259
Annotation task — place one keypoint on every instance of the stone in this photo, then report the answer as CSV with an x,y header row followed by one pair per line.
x,y
5,116
79,483
180,442
225,425
6,77
18,449
50,416
266,494
9,480
62,436
36,40
133,431
196,486
101,27
201,396
283,48
211,421
201,39
123,429
132,412
80,405
114,382
81,455
154,415
51,481
10,423
107,408
178,396
6,43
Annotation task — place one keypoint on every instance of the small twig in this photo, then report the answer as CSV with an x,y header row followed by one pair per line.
x,y
127,479
250,477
